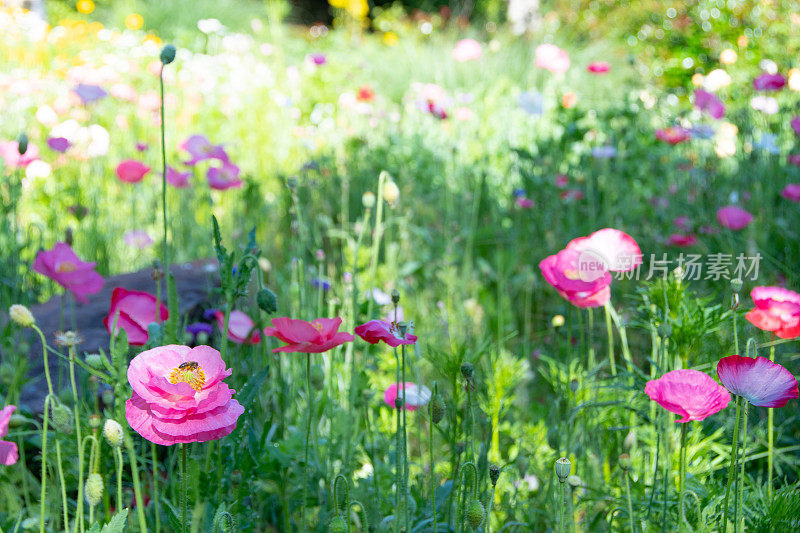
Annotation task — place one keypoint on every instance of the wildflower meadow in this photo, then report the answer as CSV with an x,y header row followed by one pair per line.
x,y
422,266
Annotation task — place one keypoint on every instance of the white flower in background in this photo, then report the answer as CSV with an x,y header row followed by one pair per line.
x,y
725,144
768,66
37,169
209,26
46,115
728,56
794,80
68,129
766,104
716,80
99,140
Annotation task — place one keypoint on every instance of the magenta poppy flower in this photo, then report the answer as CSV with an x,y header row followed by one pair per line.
x,y
89,93
467,50
795,124
142,147
769,82
317,59
137,238
179,395
224,177
63,266
136,309
178,179
691,394
759,381
551,57
777,310
8,450
708,102
673,135
375,331
733,217
241,328
681,241
791,192
59,144
415,395
793,159
201,149
598,67
9,151
317,336
524,203
132,171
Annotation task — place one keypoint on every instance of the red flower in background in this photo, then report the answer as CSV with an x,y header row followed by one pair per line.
x,y
733,217
598,67
777,310
131,171
673,135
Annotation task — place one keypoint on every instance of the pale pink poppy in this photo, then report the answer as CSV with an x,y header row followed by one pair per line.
x,y
375,331
734,218
179,395
241,328
201,149
795,124
551,57
9,152
777,310
758,380
691,394
63,266
224,177
137,238
416,396
178,179
8,450
683,223
133,312
467,50
673,135
524,203
794,159
791,192
708,102
132,171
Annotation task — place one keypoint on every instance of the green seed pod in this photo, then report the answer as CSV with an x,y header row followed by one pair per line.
x,y
736,285
625,462
95,421
62,419
395,296
494,474
108,397
475,514
563,469
168,54
267,301
317,377
574,481
337,525
467,370
438,408
93,489
22,144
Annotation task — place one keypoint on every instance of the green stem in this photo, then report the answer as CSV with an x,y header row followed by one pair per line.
x,y
137,489
732,466
79,510
119,461
563,500
770,438
430,437
740,502
46,419
308,436
165,249
630,502
184,492
63,486
610,334
405,436
682,479
397,465
156,506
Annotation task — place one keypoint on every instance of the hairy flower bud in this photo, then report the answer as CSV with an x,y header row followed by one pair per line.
x,y
337,525
93,489
438,408
467,370
95,421
21,315
112,431
62,419
368,199
267,301
563,469
475,514
494,474
168,54
94,360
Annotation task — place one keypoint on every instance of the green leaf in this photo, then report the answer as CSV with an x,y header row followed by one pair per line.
x,y
117,523
94,529
248,393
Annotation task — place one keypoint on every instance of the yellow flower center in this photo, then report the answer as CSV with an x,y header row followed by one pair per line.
x,y
571,274
196,378
66,266
317,326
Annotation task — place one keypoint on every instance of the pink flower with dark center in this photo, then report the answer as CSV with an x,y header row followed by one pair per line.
x,y
59,144
791,192
551,57
769,82
179,395
467,50
777,310
317,336
681,241
759,381
795,124
598,67
133,311
9,151
708,102
691,394
132,171
734,218
178,179
201,149
673,135
8,450
63,266
241,328
415,395
224,177
375,331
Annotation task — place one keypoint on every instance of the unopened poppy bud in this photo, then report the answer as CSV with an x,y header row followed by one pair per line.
x,y
7,374
395,296
574,481
664,330
337,525
368,199
494,474
22,144
168,54
563,468
112,431
475,514
317,377
467,370
94,360
93,489
267,301
625,462
62,419
398,402
736,285
391,192
21,315
735,301
95,421
630,440
438,408
558,321
69,238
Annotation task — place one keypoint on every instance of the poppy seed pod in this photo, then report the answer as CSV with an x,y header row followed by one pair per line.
x,y
93,489
95,421
337,525
467,370
475,514
22,144
168,54
395,296
736,285
625,462
438,408
574,481
494,474
563,469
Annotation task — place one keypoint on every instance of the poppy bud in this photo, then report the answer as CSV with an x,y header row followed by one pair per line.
x,y
267,301
21,315
95,421
475,514
168,54
22,144
625,462
398,402
108,397
62,419
69,238
563,468
438,408
630,440
337,525
17,421
93,489
94,360
395,296
112,431
574,481
736,285
494,474
467,370
368,200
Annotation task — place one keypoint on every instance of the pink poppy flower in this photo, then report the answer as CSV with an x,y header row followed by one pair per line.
x,y
136,309
415,395
673,135
137,238
375,331
179,395
59,144
142,147
794,159
9,151
524,203
683,223
201,149
733,217
224,177
769,82
759,381
317,59
617,250
571,194
708,102
178,179
795,124
63,266
551,57
777,310
132,171
689,393
598,67
317,336
8,450
562,180
241,328
681,241
791,192
467,50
